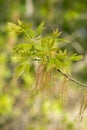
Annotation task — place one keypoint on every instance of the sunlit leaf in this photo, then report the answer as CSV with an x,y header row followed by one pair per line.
x,y
31,33
25,46
22,68
14,28
19,70
76,57
39,29
50,64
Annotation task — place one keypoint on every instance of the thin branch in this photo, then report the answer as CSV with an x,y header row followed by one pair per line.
x,y
71,78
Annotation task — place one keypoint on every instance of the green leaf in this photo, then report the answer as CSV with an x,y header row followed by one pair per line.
x,y
39,29
19,22
24,26
56,33
44,43
19,70
14,28
51,42
58,64
19,28
22,47
38,47
50,64
76,57
22,68
27,69
31,33
62,56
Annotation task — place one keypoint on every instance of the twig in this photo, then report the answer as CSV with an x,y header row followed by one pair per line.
x,y
71,78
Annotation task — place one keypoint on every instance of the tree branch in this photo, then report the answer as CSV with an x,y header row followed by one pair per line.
x,y
71,78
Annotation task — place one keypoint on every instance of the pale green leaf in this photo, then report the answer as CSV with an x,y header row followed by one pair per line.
x,y
14,28
31,33
22,68
27,68
23,47
39,29
19,70
50,64
76,57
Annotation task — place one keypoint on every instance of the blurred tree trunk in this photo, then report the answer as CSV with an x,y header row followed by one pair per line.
x,y
29,8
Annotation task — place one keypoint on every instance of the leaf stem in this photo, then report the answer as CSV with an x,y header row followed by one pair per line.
x,y
68,77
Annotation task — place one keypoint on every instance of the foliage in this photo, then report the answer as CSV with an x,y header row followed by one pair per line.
x,y
18,110
43,49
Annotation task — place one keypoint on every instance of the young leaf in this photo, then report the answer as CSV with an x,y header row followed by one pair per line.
x,y
27,68
22,47
50,64
56,33
39,29
19,22
31,33
38,47
14,28
20,69
58,64
76,57
24,26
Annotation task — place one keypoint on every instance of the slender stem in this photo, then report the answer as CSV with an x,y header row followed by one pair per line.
x,y
71,79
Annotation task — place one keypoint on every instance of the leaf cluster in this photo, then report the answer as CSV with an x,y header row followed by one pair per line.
x,y
43,49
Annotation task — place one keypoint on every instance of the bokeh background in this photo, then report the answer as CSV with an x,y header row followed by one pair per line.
x,y
20,111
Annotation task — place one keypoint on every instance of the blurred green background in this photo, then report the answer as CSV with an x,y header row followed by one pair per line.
x,y
18,110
